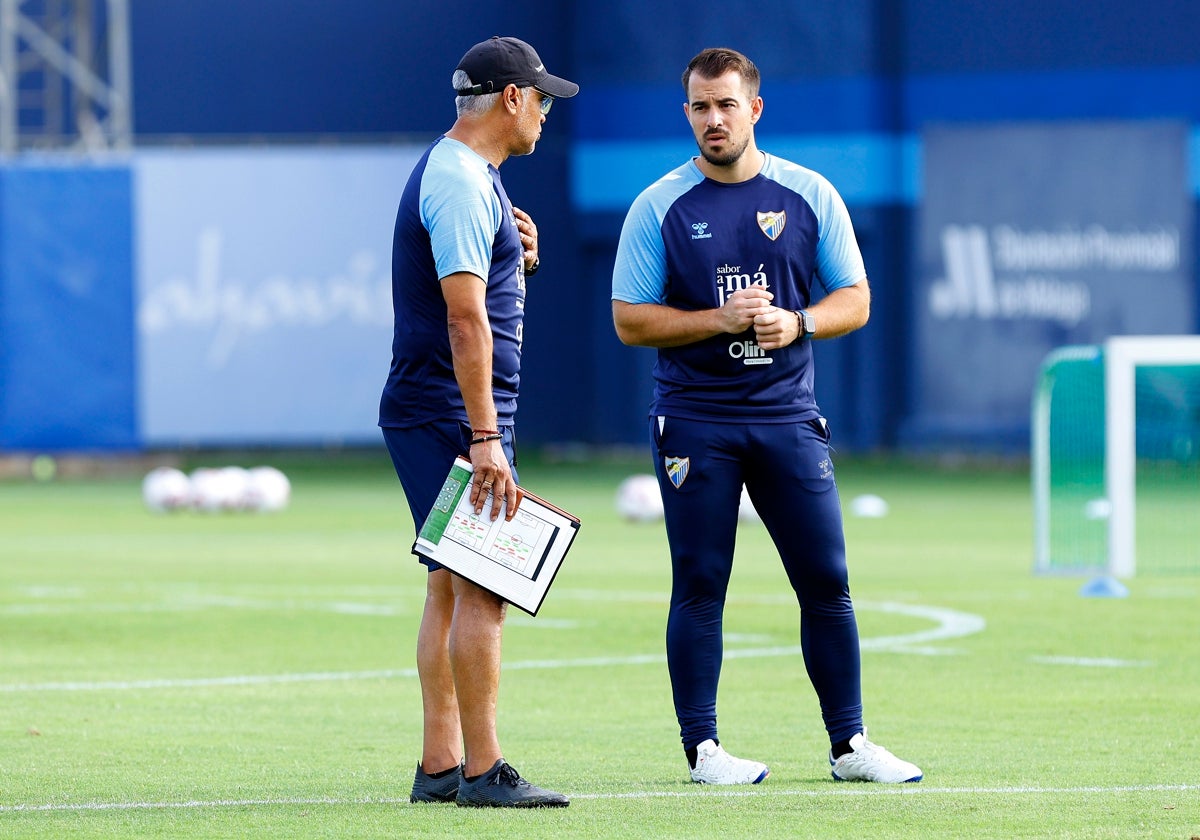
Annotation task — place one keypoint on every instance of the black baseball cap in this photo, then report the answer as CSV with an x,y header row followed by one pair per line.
x,y
498,61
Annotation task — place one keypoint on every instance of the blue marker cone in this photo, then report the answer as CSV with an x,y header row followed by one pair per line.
x,y
1104,587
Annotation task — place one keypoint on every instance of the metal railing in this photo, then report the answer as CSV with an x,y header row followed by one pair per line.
x,y
65,80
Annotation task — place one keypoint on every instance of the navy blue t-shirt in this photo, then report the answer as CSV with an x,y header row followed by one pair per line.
x,y
454,216
688,242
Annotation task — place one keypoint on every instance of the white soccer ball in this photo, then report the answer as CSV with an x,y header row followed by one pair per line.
x,y
746,511
237,487
869,506
217,489
269,489
638,499
166,489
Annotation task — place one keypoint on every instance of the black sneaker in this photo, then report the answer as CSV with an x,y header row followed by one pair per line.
x,y
442,789
503,787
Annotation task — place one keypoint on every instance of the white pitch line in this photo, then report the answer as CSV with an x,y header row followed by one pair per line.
x,y
700,791
200,603
1086,662
917,789
205,682
951,624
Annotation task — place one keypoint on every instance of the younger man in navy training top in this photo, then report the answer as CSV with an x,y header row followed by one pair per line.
x,y
717,267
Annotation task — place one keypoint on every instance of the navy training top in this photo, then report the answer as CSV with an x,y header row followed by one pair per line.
x,y
688,242
454,216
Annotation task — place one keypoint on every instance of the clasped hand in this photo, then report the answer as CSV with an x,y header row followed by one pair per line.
x,y
751,307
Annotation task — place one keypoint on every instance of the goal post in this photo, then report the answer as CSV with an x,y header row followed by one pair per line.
x,y
1123,356
1115,457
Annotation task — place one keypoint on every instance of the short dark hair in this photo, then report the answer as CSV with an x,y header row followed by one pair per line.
x,y
717,61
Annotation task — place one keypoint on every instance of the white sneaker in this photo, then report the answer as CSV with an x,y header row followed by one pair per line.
x,y
872,763
714,766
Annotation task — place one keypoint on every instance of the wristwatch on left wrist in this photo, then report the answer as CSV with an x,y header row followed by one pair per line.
x,y
808,324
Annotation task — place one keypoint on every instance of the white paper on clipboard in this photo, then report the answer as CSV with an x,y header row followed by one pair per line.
x,y
517,560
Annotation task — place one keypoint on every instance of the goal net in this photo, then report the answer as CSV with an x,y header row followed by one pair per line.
x,y
1116,458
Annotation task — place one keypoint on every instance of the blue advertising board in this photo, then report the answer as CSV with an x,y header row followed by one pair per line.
x,y
66,308
1033,236
264,310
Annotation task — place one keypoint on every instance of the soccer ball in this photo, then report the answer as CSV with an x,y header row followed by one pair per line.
x,y
236,486
869,506
166,489
638,499
216,489
268,490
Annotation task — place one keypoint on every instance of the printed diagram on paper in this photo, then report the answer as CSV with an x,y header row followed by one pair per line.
x,y
517,560
517,545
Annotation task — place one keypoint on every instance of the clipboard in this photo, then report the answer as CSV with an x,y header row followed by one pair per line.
x,y
516,560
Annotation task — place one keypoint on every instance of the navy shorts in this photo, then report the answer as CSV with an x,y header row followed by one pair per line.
x,y
422,456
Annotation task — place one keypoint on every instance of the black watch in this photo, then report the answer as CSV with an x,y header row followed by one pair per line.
x,y
808,324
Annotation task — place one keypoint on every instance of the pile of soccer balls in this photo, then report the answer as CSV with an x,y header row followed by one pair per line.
x,y
216,489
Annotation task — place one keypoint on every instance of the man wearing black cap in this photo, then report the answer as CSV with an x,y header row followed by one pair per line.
x,y
460,256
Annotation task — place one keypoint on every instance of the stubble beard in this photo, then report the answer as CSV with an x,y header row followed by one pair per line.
x,y
728,158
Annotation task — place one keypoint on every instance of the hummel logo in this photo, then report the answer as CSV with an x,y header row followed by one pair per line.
x,y
700,228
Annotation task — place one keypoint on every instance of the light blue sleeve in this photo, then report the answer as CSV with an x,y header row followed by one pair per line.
x,y
460,209
640,271
839,260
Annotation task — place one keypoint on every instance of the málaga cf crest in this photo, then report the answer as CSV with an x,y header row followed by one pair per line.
x,y
771,223
677,470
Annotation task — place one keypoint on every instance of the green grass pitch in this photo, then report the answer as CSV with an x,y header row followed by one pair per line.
x,y
246,676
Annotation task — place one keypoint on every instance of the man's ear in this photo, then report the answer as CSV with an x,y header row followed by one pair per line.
x,y
512,98
756,109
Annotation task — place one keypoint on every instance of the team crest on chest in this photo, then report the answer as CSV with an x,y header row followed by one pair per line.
x,y
771,223
677,470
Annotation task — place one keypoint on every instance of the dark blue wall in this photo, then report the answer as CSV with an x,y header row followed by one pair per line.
x,y
875,71
279,68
